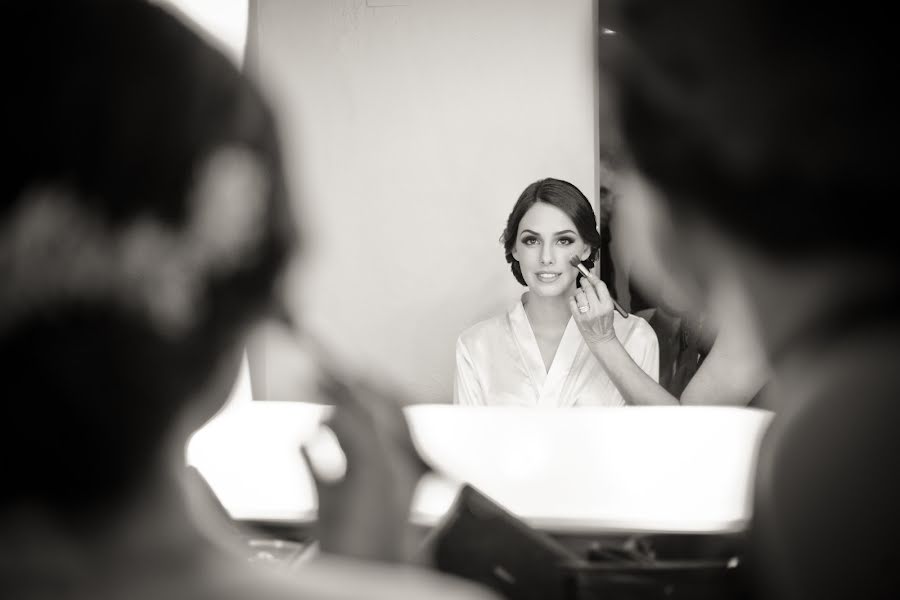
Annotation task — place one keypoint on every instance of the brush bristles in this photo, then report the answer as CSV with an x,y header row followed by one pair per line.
x,y
573,260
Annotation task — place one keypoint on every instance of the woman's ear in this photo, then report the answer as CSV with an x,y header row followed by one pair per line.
x,y
515,254
586,253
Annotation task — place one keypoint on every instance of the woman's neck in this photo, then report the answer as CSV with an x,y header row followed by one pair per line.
x,y
547,312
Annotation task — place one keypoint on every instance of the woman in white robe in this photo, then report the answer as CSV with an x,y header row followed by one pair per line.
x,y
542,351
498,363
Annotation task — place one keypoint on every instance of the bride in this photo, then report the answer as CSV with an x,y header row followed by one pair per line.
x,y
541,352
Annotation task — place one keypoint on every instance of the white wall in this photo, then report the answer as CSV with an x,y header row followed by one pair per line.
x,y
410,132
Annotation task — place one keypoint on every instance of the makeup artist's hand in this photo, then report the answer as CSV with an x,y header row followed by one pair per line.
x,y
364,511
595,323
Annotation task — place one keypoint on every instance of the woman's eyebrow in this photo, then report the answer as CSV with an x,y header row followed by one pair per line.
x,y
558,233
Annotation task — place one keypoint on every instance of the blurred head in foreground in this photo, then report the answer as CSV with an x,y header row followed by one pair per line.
x,y
143,229
768,128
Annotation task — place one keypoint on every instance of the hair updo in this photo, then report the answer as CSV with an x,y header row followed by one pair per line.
x,y
127,110
567,198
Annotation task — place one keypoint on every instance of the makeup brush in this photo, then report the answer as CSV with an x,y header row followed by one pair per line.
x,y
578,265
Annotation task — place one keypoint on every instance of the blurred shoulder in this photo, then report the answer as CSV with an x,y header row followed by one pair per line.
x,y
335,578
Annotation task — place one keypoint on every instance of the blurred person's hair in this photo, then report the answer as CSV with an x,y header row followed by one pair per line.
x,y
775,119
567,198
111,112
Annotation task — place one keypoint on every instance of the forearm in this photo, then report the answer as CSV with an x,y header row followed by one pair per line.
x,y
733,372
633,383
724,384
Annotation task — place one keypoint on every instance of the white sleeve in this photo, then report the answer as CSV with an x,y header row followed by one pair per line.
x,y
466,386
643,347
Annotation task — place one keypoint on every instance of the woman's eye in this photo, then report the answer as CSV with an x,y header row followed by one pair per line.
x,y
565,241
530,241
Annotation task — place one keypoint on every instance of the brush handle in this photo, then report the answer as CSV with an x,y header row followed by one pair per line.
x,y
590,277
619,309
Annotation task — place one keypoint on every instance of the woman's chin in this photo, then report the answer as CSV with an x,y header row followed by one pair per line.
x,y
550,290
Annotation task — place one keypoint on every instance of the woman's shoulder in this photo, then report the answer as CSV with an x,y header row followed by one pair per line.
x,y
487,329
635,329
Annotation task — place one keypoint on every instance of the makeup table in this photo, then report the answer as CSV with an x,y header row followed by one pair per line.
x,y
579,470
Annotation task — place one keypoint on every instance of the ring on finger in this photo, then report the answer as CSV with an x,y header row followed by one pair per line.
x,y
583,309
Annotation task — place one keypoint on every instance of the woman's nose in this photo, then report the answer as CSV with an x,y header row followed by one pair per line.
x,y
546,256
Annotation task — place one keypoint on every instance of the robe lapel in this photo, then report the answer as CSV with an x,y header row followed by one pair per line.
x,y
554,391
549,386
528,348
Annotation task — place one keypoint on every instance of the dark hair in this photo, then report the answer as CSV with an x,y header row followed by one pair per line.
x,y
564,196
771,124
120,105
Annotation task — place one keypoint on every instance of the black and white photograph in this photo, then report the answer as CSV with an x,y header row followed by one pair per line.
x,y
449,300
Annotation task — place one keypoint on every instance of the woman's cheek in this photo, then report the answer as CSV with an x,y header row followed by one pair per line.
x,y
526,256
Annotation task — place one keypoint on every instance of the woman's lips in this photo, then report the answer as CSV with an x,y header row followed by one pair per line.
x,y
548,277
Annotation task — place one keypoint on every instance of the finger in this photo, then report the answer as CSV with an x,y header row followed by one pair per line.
x,y
593,279
600,288
603,296
593,299
582,307
573,308
324,457
581,299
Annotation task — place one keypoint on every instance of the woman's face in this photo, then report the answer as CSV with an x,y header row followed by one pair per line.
x,y
546,239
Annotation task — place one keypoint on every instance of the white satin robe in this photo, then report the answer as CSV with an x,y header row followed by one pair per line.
x,y
498,363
